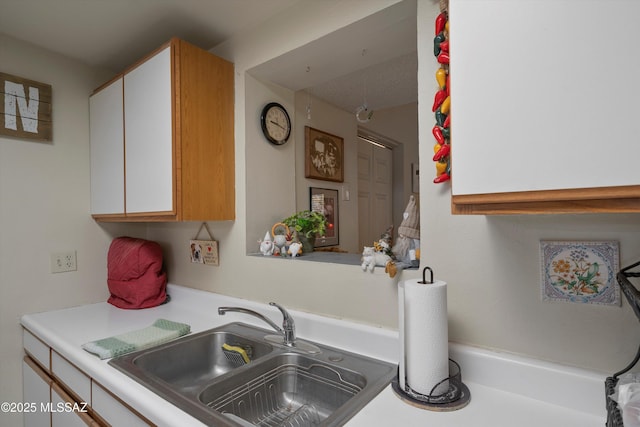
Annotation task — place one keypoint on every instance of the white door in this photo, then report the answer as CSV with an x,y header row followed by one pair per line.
x,y
148,136
375,211
107,150
36,391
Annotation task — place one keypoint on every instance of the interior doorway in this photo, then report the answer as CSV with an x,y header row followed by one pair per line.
x,y
375,185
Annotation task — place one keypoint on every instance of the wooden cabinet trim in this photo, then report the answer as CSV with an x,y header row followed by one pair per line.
x,y
35,366
625,199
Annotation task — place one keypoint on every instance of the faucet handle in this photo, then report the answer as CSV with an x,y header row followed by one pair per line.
x,y
287,324
285,314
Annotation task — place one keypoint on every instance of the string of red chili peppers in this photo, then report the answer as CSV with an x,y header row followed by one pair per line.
x,y
442,101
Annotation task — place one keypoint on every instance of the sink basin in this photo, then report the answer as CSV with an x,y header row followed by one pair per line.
x,y
186,364
288,389
280,386
197,360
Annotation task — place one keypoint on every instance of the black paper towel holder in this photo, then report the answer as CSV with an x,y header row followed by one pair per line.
x,y
424,276
457,397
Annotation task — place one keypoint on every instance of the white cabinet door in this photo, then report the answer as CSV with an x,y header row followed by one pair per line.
x,y
107,150
148,135
36,389
544,95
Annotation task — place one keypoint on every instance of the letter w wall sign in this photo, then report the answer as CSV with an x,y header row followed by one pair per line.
x,y
25,108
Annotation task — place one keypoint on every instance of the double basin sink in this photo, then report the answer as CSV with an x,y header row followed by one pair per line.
x,y
307,384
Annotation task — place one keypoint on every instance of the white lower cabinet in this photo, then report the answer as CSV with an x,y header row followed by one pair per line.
x,y
37,392
60,394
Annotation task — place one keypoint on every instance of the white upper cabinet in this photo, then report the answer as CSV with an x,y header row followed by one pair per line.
x,y
162,141
107,150
148,135
544,105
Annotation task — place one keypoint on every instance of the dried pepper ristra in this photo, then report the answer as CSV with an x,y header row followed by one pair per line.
x,y
442,178
442,101
443,58
444,172
437,40
446,105
440,117
442,152
444,46
437,133
441,78
441,22
438,99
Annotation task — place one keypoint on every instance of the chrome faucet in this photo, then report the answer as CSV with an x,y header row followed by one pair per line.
x,y
288,329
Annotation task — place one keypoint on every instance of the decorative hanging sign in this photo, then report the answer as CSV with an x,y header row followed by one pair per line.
x,y
25,109
442,99
204,251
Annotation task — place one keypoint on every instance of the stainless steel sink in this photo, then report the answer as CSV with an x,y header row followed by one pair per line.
x,y
281,386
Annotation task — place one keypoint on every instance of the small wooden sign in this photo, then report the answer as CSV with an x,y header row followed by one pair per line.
x,y
204,251
25,108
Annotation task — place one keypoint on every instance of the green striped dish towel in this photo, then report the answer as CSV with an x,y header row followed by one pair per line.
x,y
160,332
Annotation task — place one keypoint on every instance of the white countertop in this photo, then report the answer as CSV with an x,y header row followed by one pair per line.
x,y
506,390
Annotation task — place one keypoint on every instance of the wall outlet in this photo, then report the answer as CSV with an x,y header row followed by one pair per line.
x,y
63,261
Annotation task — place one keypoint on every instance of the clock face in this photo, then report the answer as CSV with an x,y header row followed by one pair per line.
x,y
276,124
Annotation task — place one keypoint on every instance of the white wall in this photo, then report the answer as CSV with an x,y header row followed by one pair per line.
x,y
44,207
270,169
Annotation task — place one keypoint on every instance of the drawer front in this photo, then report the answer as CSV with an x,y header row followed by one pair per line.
x,y
112,410
66,412
72,377
38,350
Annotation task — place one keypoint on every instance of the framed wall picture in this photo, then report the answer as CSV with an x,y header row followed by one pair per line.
x,y
324,155
325,201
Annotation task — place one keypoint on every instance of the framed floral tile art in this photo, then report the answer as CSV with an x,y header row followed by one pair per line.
x,y
580,272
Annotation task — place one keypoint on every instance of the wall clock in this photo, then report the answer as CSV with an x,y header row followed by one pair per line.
x,y
275,122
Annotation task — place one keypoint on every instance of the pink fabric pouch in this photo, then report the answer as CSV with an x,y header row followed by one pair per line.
x,y
135,273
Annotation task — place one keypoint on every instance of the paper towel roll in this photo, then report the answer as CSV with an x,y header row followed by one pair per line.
x,y
425,334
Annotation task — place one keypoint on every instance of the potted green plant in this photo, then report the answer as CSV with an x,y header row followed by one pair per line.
x,y
308,224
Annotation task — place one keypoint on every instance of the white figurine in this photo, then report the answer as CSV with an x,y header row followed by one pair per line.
x,y
371,258
295,249
266,245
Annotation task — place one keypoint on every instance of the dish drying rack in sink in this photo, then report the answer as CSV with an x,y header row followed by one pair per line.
x,y
614,417
275,398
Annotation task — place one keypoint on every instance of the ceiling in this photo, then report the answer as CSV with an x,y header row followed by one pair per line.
x,y
375,57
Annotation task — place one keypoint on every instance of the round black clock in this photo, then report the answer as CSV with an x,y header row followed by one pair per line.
x,y
275,122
